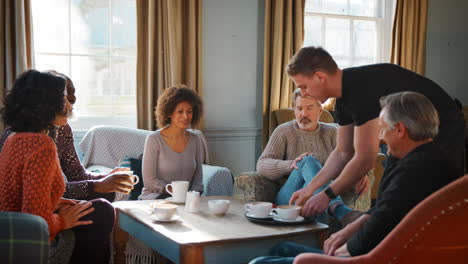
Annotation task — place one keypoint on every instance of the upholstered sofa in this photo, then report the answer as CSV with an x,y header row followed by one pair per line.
x,y
255,187
106,147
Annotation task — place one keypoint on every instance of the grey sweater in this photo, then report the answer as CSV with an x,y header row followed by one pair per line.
x,y
162,165
288,142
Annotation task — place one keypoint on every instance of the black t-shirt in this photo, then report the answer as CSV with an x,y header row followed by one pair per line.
x,y
404,184
363,86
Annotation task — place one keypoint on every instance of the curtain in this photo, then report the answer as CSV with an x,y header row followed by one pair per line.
x,y
284,34
16,42
169,51
409,35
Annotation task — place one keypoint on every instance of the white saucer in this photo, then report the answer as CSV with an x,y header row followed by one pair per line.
x,y
173,219
298,219
171,200
249,214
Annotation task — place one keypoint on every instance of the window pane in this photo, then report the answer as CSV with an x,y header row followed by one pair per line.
x,y
59,63
51,32
365,41
123,28
314,6
123,77
313,31
339,7
337,39
90,26
363,8
88,74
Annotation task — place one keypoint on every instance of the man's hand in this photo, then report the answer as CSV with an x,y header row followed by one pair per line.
x,y
337,241
316,204
301,196
343,251
114,183
363,185
293,165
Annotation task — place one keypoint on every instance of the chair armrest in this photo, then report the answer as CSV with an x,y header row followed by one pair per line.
x,y
26,238
256,187
217,181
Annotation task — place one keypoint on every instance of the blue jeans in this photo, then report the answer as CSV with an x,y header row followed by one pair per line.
x,y
300,178
284,253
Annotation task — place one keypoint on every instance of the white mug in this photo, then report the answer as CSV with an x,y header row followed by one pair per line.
x,y
287,212
259,209
135,179
179,190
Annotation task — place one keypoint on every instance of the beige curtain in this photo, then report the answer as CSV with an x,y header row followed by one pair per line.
x,y
16,43
409,35
169,51
284,34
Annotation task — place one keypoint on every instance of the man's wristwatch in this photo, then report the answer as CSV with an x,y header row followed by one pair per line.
x,y
330,193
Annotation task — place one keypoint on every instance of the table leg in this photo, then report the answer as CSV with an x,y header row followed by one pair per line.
x,y
191,254
321,237
120,243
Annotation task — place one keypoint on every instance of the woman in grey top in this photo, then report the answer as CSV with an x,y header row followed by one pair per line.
x,y
172,153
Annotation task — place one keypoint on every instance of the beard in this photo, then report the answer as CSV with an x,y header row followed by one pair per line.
x,y
306,126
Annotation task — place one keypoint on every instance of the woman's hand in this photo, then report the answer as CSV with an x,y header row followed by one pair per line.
x,y
114,183
72,213
65,202
117,169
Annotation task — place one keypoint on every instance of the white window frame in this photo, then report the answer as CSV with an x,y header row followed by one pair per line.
x,y
384,28
95,120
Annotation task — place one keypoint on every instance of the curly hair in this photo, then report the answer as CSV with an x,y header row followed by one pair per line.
x,y
170,98
33,102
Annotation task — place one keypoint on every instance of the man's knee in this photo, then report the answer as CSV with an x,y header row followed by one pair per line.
x,y
310,160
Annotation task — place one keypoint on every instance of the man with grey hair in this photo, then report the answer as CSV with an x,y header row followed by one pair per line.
x,y
408,122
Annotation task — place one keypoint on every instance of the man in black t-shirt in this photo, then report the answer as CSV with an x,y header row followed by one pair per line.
x,y
357,109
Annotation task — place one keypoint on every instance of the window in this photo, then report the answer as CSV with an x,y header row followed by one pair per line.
x,y
354,32
94,43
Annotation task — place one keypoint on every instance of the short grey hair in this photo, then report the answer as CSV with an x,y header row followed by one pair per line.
x,y
415,111
297,93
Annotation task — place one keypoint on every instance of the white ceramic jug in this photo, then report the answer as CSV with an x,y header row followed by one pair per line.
x,y
192,203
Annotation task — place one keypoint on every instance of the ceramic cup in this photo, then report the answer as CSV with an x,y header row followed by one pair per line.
x,y
259,209
134,178
287,212
164,211
178,190
218,207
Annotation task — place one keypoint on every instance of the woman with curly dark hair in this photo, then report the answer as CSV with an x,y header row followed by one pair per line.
x,y
173,153
31,179
80,183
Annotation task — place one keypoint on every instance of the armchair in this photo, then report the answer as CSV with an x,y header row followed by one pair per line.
x,y
24,238
433,232
258,188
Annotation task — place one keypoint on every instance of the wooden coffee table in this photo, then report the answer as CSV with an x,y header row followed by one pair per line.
x,y
205,238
